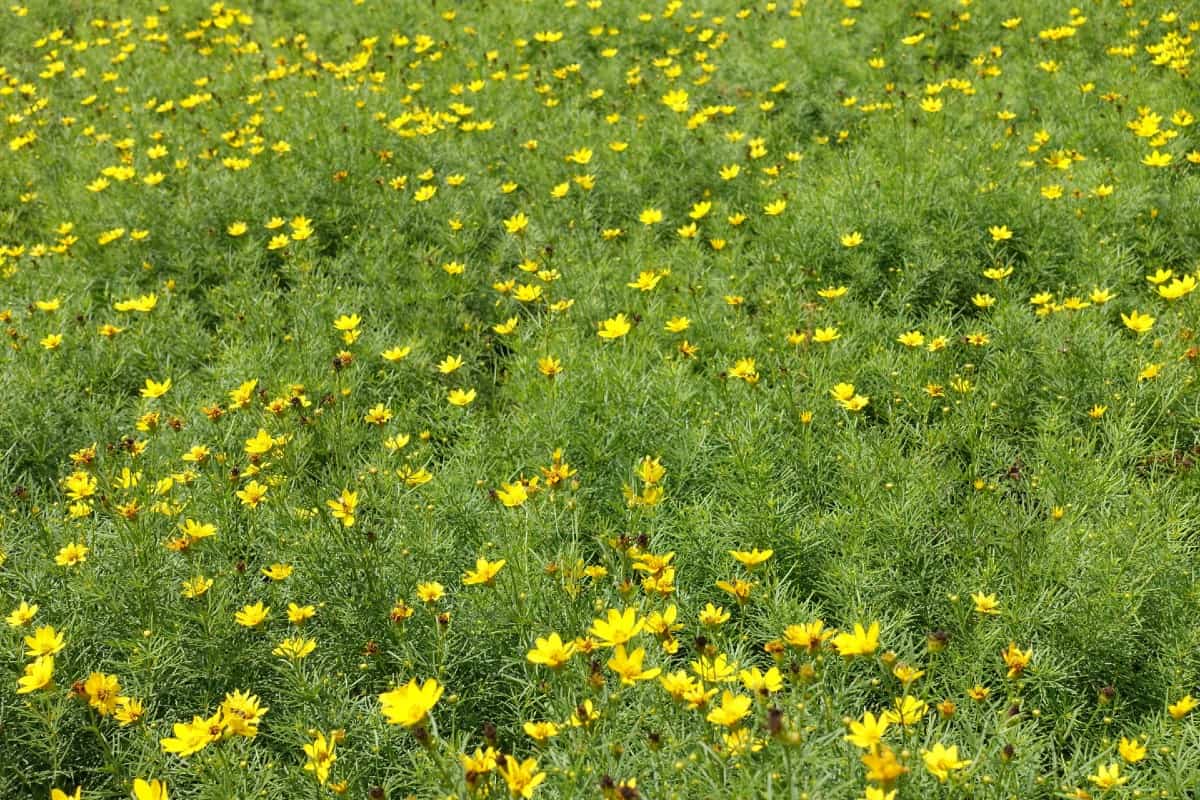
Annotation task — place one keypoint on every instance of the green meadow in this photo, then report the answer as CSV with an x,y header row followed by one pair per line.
x,y
599,399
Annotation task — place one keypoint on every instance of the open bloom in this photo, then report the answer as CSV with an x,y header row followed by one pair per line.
x,y
409,704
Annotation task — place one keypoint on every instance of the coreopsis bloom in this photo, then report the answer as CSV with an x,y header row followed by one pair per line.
x,y
430,592
294,648
102,692
941,761
1016,659
192,737
128,711
617,628
321,755
1131,750
240,714
615,327
154,389
541,731
733,709
252,494
1138,323
45,641
22,615
858,643
277,572
1108,776
408,705
196,587
39,674
868,732
907,710
1000,233
629,665
985,603
298,615
745,369
252,616
751,558
342,507
713,616
461,398
551,651
521,777
485,572
810,635
512,494
150,790
72,554
1181,707
882,765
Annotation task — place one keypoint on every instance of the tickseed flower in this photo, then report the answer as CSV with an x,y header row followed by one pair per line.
x,y
861,642
941,761
408,705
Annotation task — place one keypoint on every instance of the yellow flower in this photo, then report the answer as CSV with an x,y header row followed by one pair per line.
x,y
295,648
396,353
72,554
618,627
22,615
484,573
1109,777
196,587
253,494
460,398
713,615
541,731
297,615
751,558
251,616
277,572
45,641
859,643
1180,708
650,216
551,651
775,207
1138,323
1157,159
1015,659
1131,750
733,709
150,790
343,506
522,777
852,239
39,674
102,692
512,494
408,705
1000,233
615,327
629,665
430,592
192,737
321,755
941,761
985,603
154,389
867,733
449,364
